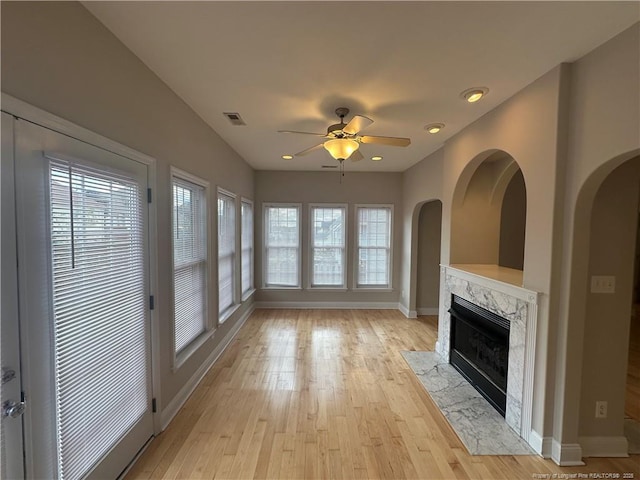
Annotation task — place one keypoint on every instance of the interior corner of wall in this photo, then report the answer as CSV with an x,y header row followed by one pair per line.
x,y
406,312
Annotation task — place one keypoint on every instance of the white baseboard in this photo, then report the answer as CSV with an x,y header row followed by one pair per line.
x,y
566,454
330,305
406,312
541,445
428,310
604,446
182,396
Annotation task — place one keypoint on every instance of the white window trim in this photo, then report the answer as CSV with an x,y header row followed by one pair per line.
x,y
180,358
245,295
345,248
230,310
356,246
265,206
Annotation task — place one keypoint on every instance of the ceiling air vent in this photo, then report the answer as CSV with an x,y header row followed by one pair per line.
x,y
234,118
329,166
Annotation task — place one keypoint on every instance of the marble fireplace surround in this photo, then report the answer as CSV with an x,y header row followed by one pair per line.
x,y
512,302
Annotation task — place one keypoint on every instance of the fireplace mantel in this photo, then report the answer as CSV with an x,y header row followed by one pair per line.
x,y
499,292
506,275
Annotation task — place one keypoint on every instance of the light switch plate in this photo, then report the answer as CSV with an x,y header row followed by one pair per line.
x,y
603,284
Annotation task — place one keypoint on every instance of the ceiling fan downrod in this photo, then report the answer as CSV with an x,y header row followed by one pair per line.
x,y
342,112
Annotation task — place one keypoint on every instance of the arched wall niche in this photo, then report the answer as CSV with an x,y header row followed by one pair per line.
x,y
488,214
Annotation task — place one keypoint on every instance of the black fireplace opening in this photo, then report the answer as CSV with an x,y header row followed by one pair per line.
x,y
480,349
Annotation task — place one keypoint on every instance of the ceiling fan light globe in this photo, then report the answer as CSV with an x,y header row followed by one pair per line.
x,y
341,148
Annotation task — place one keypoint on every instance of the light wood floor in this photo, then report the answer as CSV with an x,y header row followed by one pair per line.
x,y
306,394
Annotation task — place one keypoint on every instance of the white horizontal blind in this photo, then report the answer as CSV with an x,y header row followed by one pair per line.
x,y
328,246
100,312
282,246
189,261
226,251
247,246
374,246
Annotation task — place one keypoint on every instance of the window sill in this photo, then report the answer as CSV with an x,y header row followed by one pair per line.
x,y
280,287
224,316
372,289
248,294
318,288
190,349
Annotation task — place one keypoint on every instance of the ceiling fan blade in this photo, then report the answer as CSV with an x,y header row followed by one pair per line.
x,y
393,141
356,156
303,133
309,150
356,124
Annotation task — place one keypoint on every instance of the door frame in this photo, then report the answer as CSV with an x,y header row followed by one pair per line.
x,y
28,112
12,461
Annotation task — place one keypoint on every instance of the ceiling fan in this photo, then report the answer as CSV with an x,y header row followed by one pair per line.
x,y
344,139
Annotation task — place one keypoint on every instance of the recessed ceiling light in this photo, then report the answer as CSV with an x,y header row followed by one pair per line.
x,y
377,158
474,94
434,127
287,157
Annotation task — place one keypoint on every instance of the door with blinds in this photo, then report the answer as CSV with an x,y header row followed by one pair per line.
x,y
82,224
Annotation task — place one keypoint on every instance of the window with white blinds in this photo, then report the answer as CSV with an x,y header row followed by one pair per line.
x,y
328,246
281,245
100,311
190,258
226,251
247,246
373,246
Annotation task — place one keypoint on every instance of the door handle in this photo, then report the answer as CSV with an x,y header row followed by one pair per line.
x,y
12,409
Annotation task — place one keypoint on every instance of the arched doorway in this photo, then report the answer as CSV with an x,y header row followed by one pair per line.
x,y
428,225
608,307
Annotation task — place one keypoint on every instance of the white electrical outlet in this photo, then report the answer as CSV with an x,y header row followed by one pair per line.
x,y
601,409
603,284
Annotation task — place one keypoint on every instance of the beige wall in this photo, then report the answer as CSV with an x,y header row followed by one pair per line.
x,y
606,336
325,187
604,132
429,233
420,183
513,219
475,221
58,57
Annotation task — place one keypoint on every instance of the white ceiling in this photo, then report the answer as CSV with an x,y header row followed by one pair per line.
x,y
288,65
